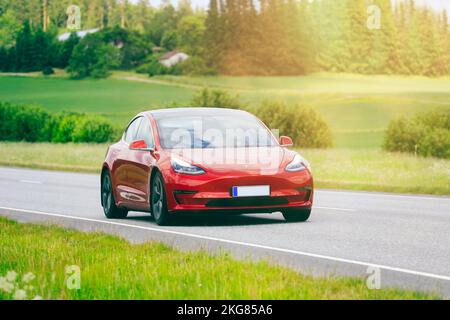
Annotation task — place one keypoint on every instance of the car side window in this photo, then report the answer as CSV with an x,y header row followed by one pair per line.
x,y
132,130
145,133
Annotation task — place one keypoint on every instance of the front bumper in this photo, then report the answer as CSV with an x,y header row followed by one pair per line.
x,y
212,193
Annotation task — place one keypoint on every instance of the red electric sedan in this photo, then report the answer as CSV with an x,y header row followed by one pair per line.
x,y
201,160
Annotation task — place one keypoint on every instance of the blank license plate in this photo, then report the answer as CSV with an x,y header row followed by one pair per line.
x,y
253,191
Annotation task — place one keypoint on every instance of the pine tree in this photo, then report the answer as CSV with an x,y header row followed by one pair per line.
x,y
22,61
213,36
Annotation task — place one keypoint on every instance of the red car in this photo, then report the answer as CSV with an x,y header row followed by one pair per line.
x,y
199,160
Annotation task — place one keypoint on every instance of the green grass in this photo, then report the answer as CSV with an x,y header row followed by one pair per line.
x,y
360,169
375,170
358,108
63,157
112,268
118,99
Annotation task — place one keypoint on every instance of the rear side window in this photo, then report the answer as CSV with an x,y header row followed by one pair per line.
x,y
132,130
145,133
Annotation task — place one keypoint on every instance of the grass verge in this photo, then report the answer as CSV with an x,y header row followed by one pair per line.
x,y
112,268
365,169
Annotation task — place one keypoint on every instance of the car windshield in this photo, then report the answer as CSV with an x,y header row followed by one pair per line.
x,y
213,131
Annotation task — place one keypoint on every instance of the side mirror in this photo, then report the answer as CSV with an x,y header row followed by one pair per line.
x,y
286,141
140,145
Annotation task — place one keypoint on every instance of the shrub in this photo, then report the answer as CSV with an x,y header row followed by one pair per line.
x,y
32,124
425,134
93,129
196,66
66,127
215,98
306,127
48,71
155,68
7,125
28,124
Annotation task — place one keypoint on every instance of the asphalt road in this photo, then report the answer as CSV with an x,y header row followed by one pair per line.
x,y
404,238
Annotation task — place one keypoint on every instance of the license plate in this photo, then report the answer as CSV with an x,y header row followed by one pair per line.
x,y
253,191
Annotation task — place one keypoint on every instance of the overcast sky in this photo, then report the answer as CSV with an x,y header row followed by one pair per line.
x,y
438,4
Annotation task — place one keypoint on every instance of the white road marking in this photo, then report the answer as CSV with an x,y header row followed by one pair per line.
x,y
338,209
30,181
251,245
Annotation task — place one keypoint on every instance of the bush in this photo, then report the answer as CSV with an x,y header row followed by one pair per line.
x,y
196,66
304,125
93,129
66,127
425,134
48,71
23,123
7,124
214,98
155,68
32,124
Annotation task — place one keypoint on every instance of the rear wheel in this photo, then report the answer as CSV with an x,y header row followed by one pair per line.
x,y
108,202
296,215
158,201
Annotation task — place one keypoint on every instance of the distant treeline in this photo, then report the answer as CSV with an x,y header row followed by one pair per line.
x,y
292,37
256,37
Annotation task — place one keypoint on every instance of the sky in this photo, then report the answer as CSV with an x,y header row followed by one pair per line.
x,y
437,4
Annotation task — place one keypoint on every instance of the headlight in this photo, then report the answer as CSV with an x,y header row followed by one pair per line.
x,y
298,164
180,166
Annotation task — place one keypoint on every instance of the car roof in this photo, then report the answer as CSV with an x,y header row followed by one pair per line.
x,y
183,112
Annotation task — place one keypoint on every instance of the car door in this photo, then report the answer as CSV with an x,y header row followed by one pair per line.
x,y
124,190
141,165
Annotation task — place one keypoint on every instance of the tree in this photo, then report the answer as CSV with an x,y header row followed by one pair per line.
x,y
92,57
213,36
170,40
164,20
132,46
191,31
24,43
44,52
66,50
9,27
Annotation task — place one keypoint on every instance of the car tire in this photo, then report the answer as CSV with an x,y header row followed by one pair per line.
x,y
297,215
108,201
158,201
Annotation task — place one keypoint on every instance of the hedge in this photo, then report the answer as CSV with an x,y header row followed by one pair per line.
x,y
33,124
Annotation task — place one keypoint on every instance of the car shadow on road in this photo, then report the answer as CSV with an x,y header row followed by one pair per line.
x,y
216,220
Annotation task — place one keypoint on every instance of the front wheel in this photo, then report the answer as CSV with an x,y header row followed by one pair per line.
x,y
296,215
108,202
158,201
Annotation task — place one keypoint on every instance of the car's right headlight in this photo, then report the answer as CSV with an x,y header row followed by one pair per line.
x,y
298,164
181,166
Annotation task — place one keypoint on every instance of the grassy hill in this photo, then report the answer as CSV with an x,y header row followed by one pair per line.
x,y
358,108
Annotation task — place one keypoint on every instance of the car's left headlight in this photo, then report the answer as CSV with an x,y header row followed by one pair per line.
x,y
181,166
298,164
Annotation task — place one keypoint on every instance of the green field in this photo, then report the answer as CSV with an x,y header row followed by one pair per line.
x,y
358,108
361,169
111,268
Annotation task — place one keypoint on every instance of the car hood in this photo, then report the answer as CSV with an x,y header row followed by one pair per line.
x,y
236,159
